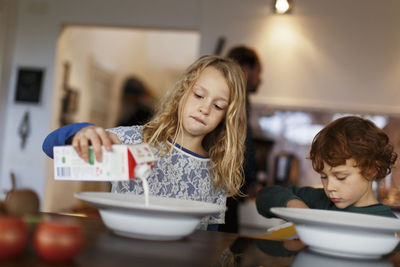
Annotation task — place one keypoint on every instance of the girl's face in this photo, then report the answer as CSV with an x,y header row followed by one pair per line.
x,y
345,186
206,104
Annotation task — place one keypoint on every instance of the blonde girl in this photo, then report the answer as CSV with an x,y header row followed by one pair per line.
x,y
197,134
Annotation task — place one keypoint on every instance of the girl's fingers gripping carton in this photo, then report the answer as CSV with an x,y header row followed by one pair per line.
x,y
123,162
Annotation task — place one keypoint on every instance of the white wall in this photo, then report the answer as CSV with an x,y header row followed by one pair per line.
x,y
7,24
326,54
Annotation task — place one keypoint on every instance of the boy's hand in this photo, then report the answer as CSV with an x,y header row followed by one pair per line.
x,y
95,136
295,203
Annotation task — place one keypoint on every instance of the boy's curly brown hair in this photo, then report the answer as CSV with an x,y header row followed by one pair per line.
x,y
354,138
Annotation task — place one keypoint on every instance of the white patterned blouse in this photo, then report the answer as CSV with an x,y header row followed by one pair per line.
x,y
180,174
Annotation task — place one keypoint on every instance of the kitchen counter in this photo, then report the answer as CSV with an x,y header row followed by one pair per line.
x,y
201,248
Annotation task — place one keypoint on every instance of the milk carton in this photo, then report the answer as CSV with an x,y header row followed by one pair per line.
x,y
124,162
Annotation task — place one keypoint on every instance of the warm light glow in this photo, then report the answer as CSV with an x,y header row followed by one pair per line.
x,y
282,6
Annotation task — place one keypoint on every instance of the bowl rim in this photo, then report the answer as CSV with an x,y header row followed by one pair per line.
x,y
338,218
124,201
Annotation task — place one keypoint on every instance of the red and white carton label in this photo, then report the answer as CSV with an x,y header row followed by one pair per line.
x,y
139,154
117,165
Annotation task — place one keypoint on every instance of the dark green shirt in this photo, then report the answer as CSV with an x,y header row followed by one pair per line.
x,y
315,198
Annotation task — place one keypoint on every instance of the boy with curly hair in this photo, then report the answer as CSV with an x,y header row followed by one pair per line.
x,y
349,154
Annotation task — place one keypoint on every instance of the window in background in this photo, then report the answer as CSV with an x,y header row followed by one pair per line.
x,y
301,126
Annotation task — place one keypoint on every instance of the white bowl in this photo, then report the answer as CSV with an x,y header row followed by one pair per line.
x,y
343,234
163,219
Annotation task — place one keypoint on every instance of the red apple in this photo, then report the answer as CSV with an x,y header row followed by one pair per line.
x,y
14,235
58,240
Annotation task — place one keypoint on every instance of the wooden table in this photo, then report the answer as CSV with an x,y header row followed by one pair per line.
x,y
104,248
201,248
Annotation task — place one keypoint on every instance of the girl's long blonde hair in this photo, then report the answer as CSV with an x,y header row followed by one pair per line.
x,y
225,145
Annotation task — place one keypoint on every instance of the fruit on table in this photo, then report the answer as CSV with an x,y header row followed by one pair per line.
x,y
14,236
20,201
58,240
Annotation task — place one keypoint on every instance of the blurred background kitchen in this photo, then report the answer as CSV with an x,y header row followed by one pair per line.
x,y
65,61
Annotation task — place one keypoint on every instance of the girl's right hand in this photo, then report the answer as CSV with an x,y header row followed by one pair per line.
x,y
96,137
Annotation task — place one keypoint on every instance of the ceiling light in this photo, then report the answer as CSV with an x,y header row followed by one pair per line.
x,y
282,6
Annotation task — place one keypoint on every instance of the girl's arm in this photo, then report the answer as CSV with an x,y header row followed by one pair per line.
x,y
279,196
81,136
61,137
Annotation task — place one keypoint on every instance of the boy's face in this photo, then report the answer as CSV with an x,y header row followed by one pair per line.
x,y
345,186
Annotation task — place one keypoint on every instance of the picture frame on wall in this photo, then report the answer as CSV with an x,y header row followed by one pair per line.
x,y
29,85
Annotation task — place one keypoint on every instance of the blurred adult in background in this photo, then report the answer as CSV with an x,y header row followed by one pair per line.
x,y
251,66
136,105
